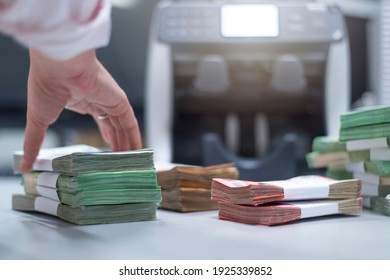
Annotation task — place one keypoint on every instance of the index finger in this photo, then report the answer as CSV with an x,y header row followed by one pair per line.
x,y
33,138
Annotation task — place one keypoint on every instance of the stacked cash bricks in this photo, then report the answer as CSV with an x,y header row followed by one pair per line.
x,y
84,185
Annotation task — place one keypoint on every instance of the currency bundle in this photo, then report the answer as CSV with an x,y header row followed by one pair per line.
x,y
328,152
282,213
188,188
297,188
84,185
82,159
365,123
94,188
86,215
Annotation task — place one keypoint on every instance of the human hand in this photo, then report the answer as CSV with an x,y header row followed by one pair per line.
x,y
82,85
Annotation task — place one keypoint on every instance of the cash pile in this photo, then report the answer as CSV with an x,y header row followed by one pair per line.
x,y
365,123
83,185
365,131
283,201
188,188
297,188
327,152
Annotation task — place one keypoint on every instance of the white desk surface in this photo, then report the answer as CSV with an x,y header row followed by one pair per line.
x,y
188,236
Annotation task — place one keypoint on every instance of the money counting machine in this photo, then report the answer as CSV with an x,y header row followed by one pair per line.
x,y
250,82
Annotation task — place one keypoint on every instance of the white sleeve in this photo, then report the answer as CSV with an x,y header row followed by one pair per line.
x,y
61,29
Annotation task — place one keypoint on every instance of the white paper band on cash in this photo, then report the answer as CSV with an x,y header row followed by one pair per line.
x,y
47,192
315,209
43,164
355,167
304,188
364,144
48,179
380,154
366,177
132,152
369,189
45,157
46,205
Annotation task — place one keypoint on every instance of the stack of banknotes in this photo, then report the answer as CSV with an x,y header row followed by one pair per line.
x,y
331,154
365,131
84,185
284,201
188,188
365,123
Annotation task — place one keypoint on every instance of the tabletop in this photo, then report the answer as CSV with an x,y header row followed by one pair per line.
x,y
188,236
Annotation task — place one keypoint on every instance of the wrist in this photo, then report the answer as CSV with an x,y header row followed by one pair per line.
x,y
69,68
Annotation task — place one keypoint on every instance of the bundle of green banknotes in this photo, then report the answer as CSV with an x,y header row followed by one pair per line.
x,y
84,185
362,151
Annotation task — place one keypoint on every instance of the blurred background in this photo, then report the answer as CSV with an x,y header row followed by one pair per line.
x,y
126,59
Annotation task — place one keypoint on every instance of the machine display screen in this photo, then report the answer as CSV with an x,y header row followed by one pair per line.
x,y
257,20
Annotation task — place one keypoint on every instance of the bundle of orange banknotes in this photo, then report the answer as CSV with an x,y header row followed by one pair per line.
x,y
188,188
284,201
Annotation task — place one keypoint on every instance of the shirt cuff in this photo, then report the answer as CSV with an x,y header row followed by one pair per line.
x,y
71,36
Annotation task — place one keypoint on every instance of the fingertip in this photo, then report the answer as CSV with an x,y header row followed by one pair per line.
x,y
138,146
